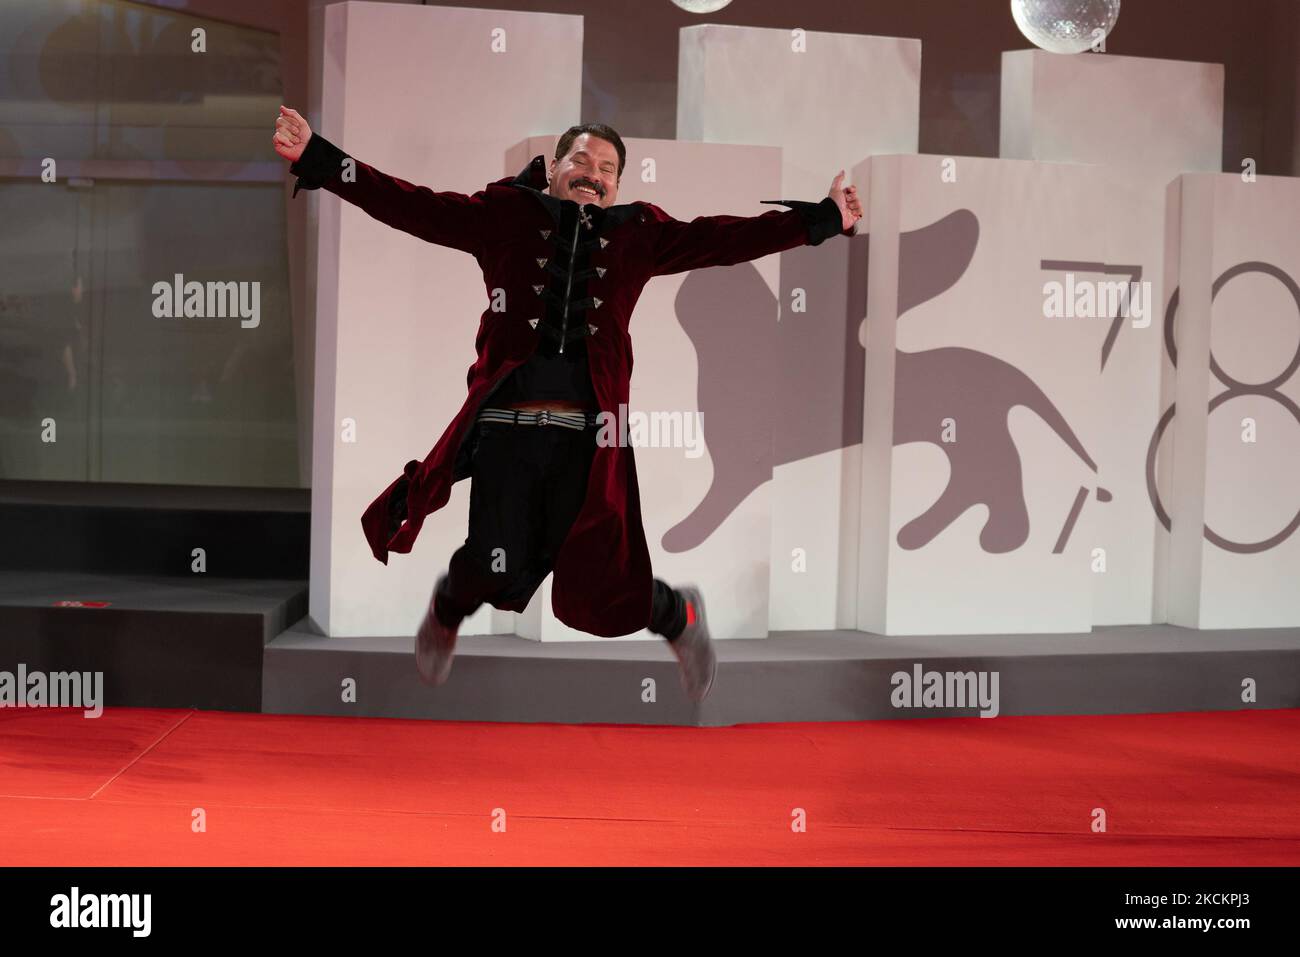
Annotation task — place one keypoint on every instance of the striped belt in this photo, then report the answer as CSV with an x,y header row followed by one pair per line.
x,y
565,420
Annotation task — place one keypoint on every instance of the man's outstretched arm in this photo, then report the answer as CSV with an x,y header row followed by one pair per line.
x,y
727,240
446,218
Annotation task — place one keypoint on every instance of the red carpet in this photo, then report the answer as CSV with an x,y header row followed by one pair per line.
x,y
1217,788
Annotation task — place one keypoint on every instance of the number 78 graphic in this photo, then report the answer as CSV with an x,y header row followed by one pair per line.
x,y
1234,387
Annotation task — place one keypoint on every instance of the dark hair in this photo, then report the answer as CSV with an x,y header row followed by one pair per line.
x,y
595,129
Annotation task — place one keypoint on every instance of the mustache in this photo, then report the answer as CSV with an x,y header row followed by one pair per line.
x,y
600,190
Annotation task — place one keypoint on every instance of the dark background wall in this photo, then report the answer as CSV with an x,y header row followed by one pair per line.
x,y
630,60
147,115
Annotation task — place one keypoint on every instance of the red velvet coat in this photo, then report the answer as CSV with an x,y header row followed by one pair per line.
x,y
602,572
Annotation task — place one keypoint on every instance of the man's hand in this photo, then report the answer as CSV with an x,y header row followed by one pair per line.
x,y
847,200
291,134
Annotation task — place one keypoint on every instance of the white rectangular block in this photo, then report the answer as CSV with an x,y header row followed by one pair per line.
x,y
1235,426
396,317
704,342
1111,110
979,488
828,100
1143,121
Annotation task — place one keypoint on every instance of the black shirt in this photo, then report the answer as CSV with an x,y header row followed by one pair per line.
x,y
549,375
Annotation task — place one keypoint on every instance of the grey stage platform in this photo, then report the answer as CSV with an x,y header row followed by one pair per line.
x,y
168,637
237,638
791,676
161,642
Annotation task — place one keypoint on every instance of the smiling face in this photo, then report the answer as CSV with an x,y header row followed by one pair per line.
x,y
588,173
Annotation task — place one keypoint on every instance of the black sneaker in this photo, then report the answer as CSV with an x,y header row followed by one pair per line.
x,y
694,648
435,644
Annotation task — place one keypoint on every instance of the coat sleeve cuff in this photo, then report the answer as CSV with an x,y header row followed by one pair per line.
x,y
397,504
823,220
384,517
320,162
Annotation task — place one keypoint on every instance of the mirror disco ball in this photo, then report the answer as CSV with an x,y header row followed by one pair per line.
x,y
1064,26
701,6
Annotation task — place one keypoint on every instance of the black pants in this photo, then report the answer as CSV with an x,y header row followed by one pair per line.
x,y
526,490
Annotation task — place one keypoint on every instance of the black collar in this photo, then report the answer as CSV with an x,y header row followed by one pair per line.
x,y
533,179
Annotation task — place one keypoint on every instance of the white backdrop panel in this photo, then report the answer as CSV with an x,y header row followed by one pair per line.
x,y
1145,121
